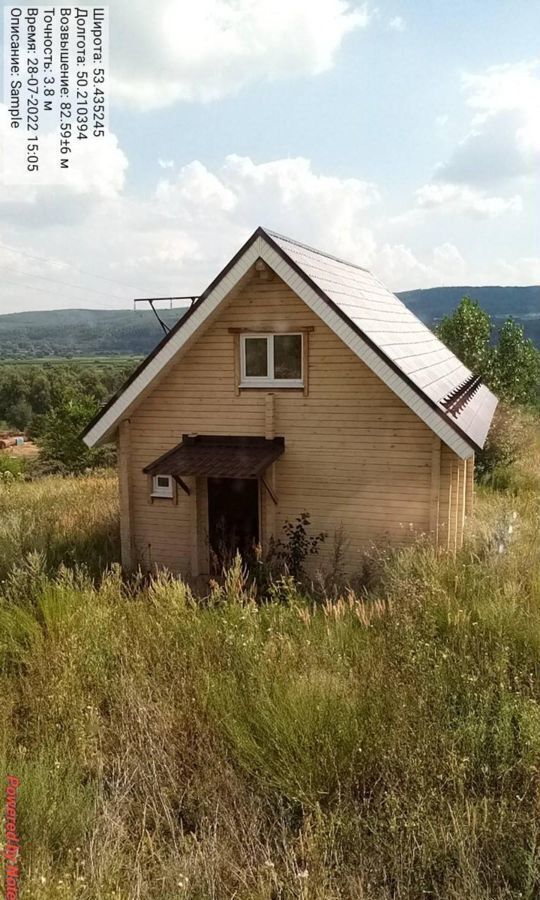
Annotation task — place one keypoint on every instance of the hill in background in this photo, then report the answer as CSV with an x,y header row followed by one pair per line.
x,y
523,303
82,332
433,303
92,332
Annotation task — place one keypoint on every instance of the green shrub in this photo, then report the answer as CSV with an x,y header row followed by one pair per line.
x,y
11,465
507,441
60,438
296,546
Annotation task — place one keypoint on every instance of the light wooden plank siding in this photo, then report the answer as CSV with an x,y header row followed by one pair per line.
x,y
356,457
469,490
435,487
455,492
462,467
125,494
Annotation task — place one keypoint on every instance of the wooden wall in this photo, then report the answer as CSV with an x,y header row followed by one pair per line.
x,y
356,458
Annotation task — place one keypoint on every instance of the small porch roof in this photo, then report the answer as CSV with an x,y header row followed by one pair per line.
x,y
217,456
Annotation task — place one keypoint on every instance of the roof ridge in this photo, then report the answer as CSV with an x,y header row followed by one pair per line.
x,y
283,237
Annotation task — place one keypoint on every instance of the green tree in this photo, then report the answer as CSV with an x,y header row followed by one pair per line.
x,y
467,332
516,365
63,383
511,367
12,391
60,438
40,392
91,383
20,415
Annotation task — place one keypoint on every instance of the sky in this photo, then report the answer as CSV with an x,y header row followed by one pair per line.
x,y
403,135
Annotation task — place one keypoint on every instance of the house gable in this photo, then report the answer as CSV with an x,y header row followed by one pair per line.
x,y
263,246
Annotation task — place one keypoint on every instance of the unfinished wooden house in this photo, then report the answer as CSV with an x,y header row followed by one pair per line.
x,y
296,382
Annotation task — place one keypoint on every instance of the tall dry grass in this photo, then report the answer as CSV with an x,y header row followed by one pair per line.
x,y
379,746
72,520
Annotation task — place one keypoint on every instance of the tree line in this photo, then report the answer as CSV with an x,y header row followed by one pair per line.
x,y
52,404
29,392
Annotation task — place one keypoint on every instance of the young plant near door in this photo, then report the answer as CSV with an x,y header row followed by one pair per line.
x,y
293,550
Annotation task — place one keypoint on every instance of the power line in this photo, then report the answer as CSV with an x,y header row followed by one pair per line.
x,y
76,287
22,284
50,259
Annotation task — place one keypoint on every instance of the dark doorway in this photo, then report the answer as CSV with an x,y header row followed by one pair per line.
x,y
233,519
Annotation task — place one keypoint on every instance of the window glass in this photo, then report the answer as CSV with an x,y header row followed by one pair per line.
x,y
288,356
163,481
256,357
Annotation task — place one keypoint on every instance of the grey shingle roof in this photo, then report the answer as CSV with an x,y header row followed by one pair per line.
x,y
396,333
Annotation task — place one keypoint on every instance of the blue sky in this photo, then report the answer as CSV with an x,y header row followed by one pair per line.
x,y
403,135
372,114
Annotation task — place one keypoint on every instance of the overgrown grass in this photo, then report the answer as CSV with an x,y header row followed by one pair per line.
x,y
73,521
379,746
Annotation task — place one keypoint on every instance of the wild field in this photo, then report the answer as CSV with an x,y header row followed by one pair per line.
x,y
370,745
73,521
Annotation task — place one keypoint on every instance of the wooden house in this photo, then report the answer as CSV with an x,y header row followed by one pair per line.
x,y
295,382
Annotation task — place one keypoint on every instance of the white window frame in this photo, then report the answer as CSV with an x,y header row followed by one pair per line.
x,y
270,380
162,490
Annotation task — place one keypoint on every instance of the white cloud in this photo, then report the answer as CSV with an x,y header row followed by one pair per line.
x,y
504,88
397,23
442,120
286,193
398,266
500,153
203,51
504,138
448,261
401,270
458,198
293,196
97,167
488,155
195,191
525,270
219,209
176,237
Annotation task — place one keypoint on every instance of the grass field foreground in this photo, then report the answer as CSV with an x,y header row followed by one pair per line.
x,y
371,746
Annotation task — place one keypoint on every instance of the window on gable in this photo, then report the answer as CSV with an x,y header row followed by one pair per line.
x,y
162,486
271,359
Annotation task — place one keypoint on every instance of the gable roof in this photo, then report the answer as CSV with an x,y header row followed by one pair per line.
x,y
372,321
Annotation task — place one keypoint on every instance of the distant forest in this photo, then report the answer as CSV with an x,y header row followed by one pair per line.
x,y
522,303
76,333
31,390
